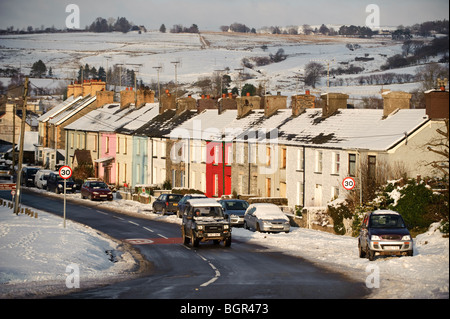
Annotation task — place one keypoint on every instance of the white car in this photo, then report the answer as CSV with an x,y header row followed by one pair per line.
x,y
40,180
266,218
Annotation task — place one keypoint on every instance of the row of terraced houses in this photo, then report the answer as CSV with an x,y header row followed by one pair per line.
x,y
244,145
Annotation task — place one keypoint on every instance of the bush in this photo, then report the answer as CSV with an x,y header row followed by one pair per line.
x,y
338,213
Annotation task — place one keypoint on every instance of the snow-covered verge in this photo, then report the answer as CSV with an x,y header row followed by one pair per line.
x,y
38,255
424,275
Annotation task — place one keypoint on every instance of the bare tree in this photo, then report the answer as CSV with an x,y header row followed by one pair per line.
x,y
440,146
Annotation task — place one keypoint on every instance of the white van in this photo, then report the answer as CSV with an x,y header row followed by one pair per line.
x,y
40,180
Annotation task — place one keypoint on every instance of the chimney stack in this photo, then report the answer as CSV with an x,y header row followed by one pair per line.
x,y
77,89
70,90
167,102
186,103
227,103
104,97
393,100
273,103
245,104
436,103
301,102
332,102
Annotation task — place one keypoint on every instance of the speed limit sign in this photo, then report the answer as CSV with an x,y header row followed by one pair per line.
x,y
348,183
65,172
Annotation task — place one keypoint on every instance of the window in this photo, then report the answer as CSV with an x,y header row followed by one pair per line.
x,y
268,187
336,162
163,149
216,155
334,192
125,145
319,156
216,185
300,190
229,154
352,164
372,167
299,159
268,151
107,144
283,158
138,147
118,145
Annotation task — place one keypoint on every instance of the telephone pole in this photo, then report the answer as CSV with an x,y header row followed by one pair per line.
x,y
22,137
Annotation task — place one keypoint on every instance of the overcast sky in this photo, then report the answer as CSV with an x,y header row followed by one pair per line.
x,y
211,14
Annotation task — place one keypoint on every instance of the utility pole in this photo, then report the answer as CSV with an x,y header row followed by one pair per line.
x,y
175,63
22,137
239,78
158,69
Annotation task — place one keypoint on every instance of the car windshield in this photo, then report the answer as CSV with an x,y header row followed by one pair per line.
x,y
386,221
174,198
236,205
99,185
213,211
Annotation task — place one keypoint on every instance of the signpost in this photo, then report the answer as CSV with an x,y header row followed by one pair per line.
x,y
348,183
65,172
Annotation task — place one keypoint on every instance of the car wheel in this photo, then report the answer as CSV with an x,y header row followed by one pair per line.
x,y
245,225
164,211
410,253
228,242
371,255
258,228
186,239
362,253
195,240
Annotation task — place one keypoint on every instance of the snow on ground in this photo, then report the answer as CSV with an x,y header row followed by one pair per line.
x,y
38,250
38,254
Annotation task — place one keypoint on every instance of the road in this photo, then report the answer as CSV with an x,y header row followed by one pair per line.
x,y
242,271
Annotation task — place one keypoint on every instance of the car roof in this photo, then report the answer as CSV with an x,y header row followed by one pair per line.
x,y
384,211
232,200
198,202
263,205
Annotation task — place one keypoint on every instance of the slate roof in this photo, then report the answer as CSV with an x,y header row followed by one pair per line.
x,y
111,118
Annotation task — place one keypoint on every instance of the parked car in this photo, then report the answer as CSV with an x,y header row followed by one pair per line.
x,y
166,203
182,202
4,171
95,190
384,232
41,177
28,174
56,184
203,220
266,217
234,210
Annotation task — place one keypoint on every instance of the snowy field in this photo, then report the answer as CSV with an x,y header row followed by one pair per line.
x,y
201,54
36,252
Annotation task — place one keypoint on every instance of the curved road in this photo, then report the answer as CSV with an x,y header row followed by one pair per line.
x,y
242,271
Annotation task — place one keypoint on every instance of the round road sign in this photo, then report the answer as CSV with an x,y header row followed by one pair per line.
x,y
65,172
348,183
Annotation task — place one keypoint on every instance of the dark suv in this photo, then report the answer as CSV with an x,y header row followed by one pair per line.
x,y
384,232
56,184
166,203
184,199
28,174
203,220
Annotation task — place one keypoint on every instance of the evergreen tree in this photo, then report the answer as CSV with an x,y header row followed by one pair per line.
x,y
38,69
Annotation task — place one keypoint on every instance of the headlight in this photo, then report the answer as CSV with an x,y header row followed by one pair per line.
x,y
225,226
375,237
95,193
200,227
406,237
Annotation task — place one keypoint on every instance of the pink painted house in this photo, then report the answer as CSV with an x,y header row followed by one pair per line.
x,y
105,166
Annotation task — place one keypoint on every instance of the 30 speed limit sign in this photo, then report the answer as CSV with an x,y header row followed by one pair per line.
x,y
348,183
65,172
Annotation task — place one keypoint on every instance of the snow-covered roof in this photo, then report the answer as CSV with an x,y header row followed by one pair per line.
x,y
346,129
72,109
111,118
58,109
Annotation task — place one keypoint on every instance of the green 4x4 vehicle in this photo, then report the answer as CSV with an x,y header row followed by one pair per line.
x,y
203,220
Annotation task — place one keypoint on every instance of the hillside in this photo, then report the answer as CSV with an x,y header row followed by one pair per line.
x,y
201,54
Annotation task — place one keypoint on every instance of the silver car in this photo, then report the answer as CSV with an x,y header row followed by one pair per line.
x,y
266,218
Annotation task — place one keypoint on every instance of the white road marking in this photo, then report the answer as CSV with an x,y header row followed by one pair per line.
x,y
133,223
163,236
148,229
214,268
